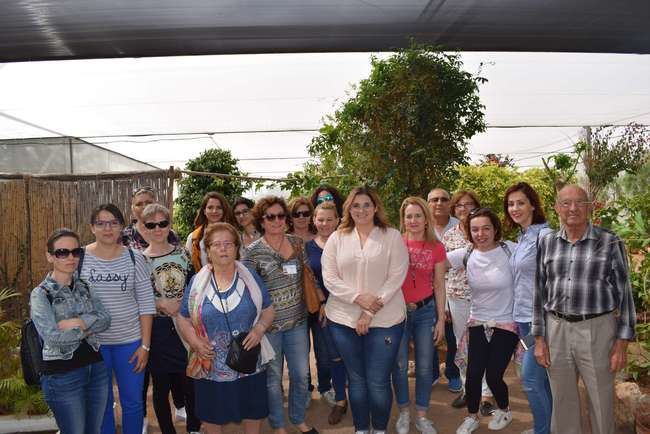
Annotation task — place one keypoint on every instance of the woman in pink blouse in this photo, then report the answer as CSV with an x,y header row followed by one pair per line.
x,y
364,265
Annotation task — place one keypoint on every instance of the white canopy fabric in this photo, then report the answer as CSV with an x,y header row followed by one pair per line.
x,y
271,105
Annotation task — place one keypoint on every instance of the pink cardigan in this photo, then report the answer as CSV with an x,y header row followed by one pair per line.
x,y
379,269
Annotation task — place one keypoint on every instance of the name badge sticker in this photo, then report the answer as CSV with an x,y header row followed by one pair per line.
x,y
289,268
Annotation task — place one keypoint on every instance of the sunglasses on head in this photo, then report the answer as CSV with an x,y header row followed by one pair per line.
x,y
64,253
326,198
145,189
475,211
161,224
274,217
298,214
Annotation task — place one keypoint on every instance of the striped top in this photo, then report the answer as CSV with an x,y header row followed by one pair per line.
x,y
283,278
125,290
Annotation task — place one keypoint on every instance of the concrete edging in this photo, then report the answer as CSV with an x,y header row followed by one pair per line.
x,y
16,424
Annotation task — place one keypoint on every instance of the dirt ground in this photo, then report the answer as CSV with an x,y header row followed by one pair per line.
x,y
446,418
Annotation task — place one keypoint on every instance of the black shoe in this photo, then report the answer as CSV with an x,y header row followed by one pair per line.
x,y
311,431
460,401
486,408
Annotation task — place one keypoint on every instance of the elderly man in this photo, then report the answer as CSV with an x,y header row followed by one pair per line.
x,y
583,313
439,204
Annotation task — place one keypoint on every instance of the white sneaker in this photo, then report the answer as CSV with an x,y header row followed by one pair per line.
x,y
468,426
181,414
528,431
425,426
379,432
144,426
500,419
403,422
329,397
362,432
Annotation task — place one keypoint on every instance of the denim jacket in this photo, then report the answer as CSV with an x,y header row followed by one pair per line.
x,y
67,302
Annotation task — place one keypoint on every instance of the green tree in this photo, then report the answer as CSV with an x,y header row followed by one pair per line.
x,y
405,129
490,182
192,188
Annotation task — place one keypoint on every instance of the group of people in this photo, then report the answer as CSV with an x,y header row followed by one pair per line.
x,y
136,304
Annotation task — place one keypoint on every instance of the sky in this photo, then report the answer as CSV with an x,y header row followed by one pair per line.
x,y
248,102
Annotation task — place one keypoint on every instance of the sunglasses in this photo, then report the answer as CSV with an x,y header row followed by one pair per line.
x,y
326,198
476,211
161,224
298,214
274,217
64,253
145,189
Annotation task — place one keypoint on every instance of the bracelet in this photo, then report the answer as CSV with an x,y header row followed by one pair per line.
x,y
146,348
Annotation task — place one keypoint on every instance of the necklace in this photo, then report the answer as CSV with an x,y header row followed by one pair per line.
x,y
411,261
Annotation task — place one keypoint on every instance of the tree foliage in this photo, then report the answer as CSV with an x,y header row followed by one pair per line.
x,y
405,129
490,182
612,150
192,188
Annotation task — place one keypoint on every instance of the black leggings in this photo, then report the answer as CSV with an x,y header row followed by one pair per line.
x,y
162,385
489,358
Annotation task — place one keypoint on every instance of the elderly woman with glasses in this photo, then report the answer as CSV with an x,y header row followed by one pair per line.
x,y
279,258
223,301
68,316
121,279
491,335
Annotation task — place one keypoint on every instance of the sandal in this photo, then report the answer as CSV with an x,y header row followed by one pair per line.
x,y
337,413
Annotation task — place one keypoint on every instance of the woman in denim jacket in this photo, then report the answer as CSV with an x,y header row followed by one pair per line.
x,y
67,317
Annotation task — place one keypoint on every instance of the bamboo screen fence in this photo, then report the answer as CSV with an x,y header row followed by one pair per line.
x,y
31,207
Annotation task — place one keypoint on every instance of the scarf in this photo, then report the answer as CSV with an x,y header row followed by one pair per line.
x,y
198,367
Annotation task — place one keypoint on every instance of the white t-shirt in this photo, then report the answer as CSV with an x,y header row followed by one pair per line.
x,y
490,280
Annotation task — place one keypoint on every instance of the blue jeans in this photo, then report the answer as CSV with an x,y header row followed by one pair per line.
x,y
336,367
419,326
368,361
535,384
293,345
77,398
129,384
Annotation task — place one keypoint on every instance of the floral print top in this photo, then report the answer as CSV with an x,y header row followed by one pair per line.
x,y
456,280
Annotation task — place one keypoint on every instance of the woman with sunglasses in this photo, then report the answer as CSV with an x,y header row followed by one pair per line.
x,y
242,210
300,223
121,279
327,193
364,265
424,294
458,290
491,335
214,209
132,233
68,315
171,270
523,210
279,259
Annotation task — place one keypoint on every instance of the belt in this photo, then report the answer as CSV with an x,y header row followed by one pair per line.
x,y
577,318
418,304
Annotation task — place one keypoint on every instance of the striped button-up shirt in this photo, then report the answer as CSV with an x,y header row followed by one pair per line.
x,y
589,276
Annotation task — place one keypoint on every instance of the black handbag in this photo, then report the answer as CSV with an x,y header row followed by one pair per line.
x,y
238,358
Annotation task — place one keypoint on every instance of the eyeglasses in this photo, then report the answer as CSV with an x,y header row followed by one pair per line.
x,y
64,253
465,205
222,244
566,204
274,217
107,224
242,212
303,214
325,198
161,224
442,199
